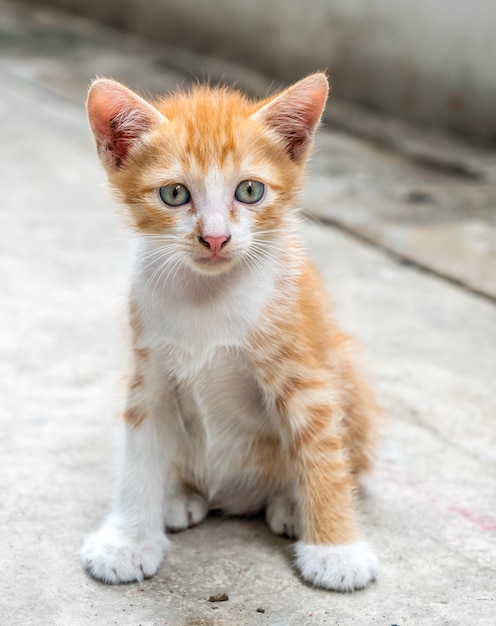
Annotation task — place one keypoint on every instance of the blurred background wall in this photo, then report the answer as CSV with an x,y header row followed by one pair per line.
x,y
430,61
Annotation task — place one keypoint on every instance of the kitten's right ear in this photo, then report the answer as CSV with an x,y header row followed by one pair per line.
x,y
118,119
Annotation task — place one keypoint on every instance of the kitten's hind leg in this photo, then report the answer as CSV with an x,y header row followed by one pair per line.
x,y
283,517
184,509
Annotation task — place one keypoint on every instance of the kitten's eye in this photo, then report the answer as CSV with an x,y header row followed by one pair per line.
x,y
249,191
174,194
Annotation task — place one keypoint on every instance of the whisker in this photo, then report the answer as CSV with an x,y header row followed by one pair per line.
x,y
256,257
160,275
155,254
163,268
269,245
252,265
157,270
179,262
158,236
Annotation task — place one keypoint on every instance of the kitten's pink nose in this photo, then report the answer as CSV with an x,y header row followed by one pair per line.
x,y
215,244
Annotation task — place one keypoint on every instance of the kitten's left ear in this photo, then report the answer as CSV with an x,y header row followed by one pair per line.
x,y
118,119
295,113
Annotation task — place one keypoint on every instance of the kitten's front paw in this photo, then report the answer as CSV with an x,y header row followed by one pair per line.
x,y
185,511
111,556
340,568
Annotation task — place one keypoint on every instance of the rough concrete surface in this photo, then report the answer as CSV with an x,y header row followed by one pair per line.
x,y
432,62
430,509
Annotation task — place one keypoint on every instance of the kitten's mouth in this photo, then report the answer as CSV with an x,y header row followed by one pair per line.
x,y
214,263
213,259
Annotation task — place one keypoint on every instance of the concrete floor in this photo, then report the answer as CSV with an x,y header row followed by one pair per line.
x,y
431,346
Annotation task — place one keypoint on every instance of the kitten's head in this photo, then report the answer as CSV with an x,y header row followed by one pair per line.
x,y
210,171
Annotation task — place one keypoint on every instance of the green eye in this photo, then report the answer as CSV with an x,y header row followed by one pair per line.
x,y
249,191
174,194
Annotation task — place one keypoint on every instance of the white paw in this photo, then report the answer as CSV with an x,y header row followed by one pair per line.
x,y
282,517
185,511
340,568
113,557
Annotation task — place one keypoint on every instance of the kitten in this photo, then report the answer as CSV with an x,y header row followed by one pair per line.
x,y
244,394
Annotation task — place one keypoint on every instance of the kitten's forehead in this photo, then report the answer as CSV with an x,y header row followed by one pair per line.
x,y
211,126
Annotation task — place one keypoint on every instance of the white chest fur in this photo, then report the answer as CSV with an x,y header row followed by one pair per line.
x,y
194,315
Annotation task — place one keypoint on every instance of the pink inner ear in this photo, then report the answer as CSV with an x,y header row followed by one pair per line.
x,y
295,113
118,118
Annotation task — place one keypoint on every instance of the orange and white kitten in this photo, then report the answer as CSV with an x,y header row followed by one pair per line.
x,y
244,394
